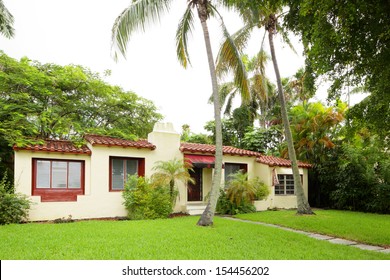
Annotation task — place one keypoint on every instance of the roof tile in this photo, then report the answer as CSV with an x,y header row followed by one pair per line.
x,y
275,161
210,149
98,140
59,146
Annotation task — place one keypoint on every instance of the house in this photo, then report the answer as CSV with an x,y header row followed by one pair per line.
x,y
86,182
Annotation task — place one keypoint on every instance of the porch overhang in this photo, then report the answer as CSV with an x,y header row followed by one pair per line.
x,y
200,161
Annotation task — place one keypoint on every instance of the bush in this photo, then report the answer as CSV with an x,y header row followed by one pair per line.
x,y
225,206
240,194
14,207
144,200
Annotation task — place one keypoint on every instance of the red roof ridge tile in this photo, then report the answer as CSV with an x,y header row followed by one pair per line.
x,y
54,145
102,140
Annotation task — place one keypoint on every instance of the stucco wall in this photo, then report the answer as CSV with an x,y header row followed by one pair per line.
x,y
278,201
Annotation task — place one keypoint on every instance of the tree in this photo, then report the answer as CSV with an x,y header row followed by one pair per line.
x,y
6,21
135,17
349,43
48,101
255,14
169,172
315,129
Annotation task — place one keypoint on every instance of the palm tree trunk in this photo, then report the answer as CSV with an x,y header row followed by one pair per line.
x,y
207,217
302,203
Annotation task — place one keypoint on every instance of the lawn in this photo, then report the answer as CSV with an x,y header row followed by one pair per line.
x,y
362,227
171,239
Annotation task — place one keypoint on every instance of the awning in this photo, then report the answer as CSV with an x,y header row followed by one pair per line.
x,y
200,161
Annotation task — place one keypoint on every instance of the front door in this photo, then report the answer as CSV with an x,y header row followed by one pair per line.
x,y
194,190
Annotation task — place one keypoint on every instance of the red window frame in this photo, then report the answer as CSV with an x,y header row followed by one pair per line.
x,y
141,169
62,194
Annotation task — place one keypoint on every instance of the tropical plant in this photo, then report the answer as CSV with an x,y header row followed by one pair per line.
x,y
313,127
241,189
265,14
6,21
168,173
141,12
240,194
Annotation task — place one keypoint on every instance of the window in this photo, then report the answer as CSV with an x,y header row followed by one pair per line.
x,y
231,168
58,180
286,185
121,168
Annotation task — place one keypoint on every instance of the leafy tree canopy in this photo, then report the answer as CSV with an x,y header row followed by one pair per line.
x,y
48,101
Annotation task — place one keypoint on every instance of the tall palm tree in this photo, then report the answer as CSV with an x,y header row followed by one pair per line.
x,y
259,13
6,22
141,12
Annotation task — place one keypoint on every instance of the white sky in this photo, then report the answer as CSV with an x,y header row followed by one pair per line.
x,y
79,32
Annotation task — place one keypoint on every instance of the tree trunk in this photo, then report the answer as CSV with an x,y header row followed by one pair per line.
x,y
207,217
302,202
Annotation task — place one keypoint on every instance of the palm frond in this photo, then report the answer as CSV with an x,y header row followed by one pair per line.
x,y
6,21
137,16
231,55
185,27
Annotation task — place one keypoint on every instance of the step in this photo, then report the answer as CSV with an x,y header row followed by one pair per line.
x,y
195,209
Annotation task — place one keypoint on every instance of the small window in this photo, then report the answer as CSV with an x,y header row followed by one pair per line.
x,y
121,168
286,185
58,180
231,168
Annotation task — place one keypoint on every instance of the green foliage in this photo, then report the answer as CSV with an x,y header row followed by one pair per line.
x,y
348,41
226,206
144,200
240,194
168,173
315,128
14,207
356,175
48,101
263,140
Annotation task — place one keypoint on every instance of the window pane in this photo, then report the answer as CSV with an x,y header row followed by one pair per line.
x,y
131,167
74,175
59,171
43,174
117,174
229,170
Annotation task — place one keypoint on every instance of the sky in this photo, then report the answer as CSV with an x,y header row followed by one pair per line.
x,y
79,32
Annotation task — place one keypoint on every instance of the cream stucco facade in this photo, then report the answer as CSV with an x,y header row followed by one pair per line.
x,y
98,201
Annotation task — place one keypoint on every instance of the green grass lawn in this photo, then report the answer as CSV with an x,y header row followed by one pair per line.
x,y
171,239
363,227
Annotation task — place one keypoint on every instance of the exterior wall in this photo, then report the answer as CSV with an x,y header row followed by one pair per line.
x,y
53,210
278,201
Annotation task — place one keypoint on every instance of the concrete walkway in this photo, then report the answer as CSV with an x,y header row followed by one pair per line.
x,y
331,239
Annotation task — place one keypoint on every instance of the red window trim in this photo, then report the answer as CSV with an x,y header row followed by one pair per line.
x,y
57,195
141,169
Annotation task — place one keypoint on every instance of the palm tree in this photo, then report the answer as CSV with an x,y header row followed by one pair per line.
x,y
169,172
141,12
264,14
260,87
6,21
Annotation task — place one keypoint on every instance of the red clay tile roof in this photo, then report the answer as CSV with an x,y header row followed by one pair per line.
x,y
59,146
98,140
275,161
210,149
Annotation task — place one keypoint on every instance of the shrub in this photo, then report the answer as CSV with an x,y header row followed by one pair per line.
x,y
240,194
225,206
14,207
144,200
